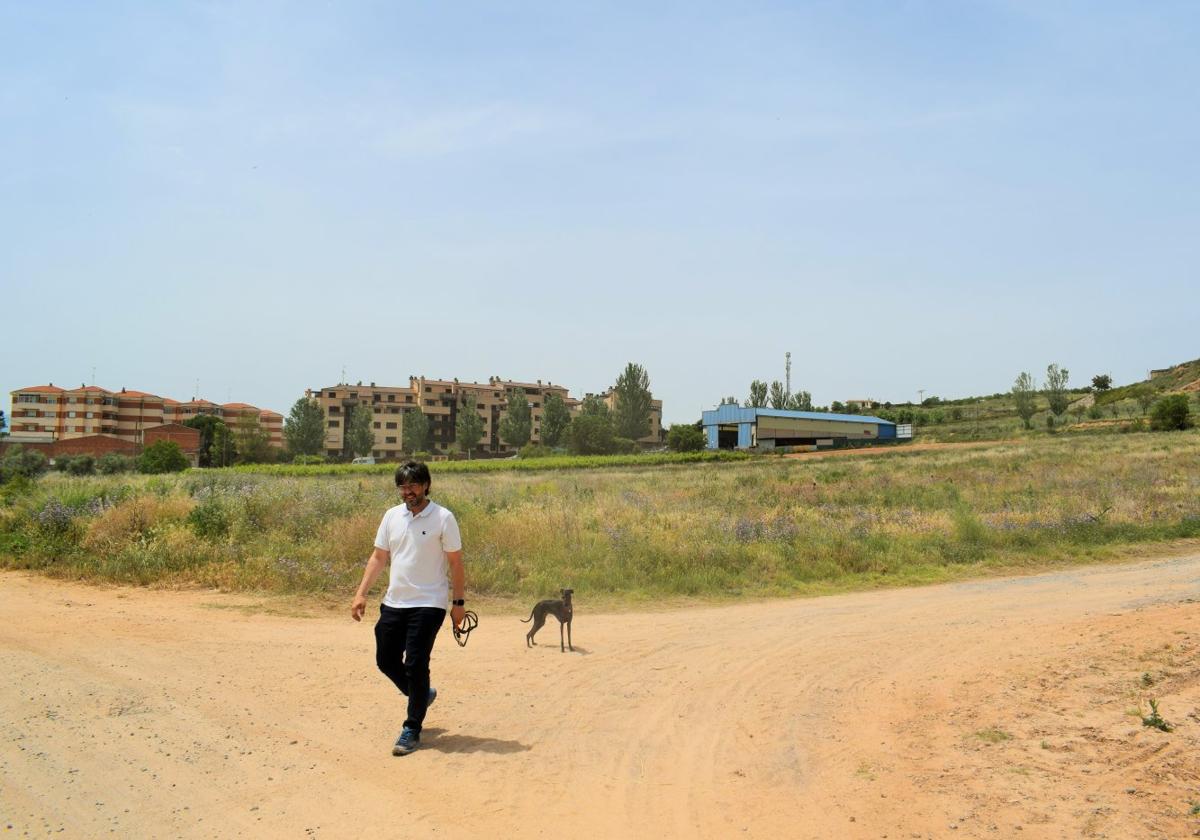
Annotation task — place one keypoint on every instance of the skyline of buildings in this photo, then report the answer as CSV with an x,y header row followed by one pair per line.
x,y
48,413
52,414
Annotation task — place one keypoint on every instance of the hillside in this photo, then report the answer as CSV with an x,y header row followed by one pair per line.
x,y
1120,409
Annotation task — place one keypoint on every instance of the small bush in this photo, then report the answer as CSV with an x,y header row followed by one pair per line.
x,y
536,450
308,459
1170,413
684,437
82,465
19,461
112,463
624,446
63,462
163,456
210,519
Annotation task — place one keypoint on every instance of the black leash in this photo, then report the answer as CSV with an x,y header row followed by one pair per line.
x,y
463,633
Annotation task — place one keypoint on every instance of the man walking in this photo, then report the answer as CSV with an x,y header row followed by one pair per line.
x,y
420,540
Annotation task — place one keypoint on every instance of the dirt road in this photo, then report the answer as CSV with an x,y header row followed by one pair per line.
x,y
993,709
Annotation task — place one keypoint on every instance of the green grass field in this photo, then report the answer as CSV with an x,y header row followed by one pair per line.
x,y
763,526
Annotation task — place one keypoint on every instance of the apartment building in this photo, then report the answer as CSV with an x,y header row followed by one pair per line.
x,y
46,414
440,400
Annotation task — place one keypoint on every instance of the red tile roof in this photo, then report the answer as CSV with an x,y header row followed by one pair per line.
x,y
42,389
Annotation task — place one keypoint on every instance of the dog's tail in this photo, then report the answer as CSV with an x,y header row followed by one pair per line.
x,y
527,620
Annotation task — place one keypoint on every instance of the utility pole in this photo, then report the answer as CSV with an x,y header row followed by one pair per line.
x,y
921,394
788,374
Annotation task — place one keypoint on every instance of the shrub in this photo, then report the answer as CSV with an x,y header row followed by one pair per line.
x,y
63,463
308,459
82,465
163,456
684,437
210,518
536,450
19,461
624,446
1171,412
112,463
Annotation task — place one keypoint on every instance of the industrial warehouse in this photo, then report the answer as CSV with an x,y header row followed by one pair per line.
x,y
730,426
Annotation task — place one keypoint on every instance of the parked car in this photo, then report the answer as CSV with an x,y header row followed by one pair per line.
x,y
367,459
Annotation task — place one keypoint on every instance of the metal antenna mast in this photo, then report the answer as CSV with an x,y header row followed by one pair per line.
x,y
788,376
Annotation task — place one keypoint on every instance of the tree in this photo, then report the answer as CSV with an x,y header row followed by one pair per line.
x,y
252,440
632,403
3,425
516,426
1171,412
223,451
360,437
1101,382
414,431
594,406
468,427
206,424
591,434
800,401
1145,398
686,438
779,395
836,407
1023,396
163,456
304,428
1055,389
555,419
758,394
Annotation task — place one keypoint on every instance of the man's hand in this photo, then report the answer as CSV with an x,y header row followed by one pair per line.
x,y
457,614
358,607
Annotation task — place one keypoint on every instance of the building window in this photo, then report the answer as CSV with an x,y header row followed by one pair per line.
x,y
430,402
377,426
333,395
389,440
391,397
333,424
335,409
391,425
408,398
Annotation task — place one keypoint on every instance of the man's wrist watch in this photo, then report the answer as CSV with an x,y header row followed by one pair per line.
x,y
459,602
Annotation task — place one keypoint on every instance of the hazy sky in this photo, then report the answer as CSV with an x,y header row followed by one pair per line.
x,y
905,195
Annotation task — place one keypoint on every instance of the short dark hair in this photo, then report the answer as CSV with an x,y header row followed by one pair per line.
x,y
413,472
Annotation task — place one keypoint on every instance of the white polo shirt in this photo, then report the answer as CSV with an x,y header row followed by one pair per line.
x,y
418,545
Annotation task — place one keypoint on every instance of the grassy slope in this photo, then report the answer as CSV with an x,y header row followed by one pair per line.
x,y
995,417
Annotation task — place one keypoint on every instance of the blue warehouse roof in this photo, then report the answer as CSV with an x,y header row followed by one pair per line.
x,y
734,413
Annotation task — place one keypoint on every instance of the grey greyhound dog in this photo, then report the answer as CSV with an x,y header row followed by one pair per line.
x,y
561,609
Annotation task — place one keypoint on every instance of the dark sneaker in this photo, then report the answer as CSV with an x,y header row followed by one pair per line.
x,y
408,741
432,696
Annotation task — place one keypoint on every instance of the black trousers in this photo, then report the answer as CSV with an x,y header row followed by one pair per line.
x,y
403,644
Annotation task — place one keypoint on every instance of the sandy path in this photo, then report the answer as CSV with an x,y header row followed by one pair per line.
x,y
988,709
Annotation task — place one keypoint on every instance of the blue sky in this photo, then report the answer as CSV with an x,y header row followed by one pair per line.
x,y
905,195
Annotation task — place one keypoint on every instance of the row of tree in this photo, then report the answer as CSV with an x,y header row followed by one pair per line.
x,y
248,442
594,430
776,395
